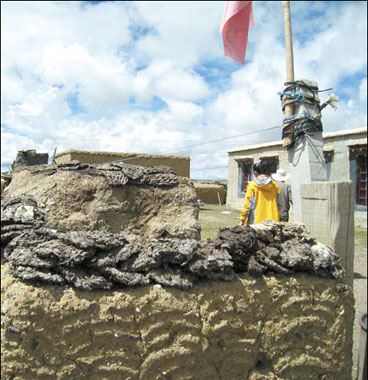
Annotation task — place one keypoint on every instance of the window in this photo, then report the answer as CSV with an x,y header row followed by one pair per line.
x,y
361,185
272,163
245,175
358,161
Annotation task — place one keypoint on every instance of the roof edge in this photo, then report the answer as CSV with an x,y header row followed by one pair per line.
x,y
121,154
345,132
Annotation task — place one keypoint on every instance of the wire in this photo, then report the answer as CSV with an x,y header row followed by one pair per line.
x,y
199,144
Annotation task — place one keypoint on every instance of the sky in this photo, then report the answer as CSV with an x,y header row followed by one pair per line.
x,y
152,77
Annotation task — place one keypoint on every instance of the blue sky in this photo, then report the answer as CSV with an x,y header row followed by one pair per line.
x,y
151,77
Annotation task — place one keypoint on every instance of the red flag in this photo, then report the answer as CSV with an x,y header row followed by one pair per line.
x,y
238,17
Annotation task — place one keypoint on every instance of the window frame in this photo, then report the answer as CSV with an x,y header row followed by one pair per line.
x,y
358,153
244,165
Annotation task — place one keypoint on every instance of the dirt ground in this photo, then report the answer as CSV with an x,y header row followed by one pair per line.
x,y
360,288
213,217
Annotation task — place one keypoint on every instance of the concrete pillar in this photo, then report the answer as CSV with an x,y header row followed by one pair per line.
x,y
328,213
306,165
306,160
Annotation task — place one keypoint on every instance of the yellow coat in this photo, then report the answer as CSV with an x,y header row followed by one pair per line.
x,y
265,191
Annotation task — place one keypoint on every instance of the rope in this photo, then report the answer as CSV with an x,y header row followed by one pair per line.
x,y
330,101
302,128
302,124
303,115
298,96
312,102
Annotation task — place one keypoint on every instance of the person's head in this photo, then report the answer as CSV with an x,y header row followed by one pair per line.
x,y
280,175
261,168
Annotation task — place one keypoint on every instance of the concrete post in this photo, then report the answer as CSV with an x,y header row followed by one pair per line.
x,y
306,160
306,165
328,213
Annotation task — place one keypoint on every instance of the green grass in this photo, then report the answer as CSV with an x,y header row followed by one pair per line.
x,y
360,238
212,217
361,233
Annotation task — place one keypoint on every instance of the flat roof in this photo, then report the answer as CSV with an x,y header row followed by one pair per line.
x,y
279,142
120,154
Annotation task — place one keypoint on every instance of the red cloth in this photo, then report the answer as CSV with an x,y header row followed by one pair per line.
x,y
238,17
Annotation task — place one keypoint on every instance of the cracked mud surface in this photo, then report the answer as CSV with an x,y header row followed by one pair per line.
x,y
269,327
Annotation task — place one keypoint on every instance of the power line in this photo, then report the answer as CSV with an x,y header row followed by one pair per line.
x,y
158,140
203,143
199,144
226,138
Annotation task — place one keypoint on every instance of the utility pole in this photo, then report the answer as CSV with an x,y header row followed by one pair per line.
x,y
326,208
302,127
289,108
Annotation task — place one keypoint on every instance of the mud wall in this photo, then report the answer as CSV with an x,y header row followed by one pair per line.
x,y
180,165
75,200
210,193
273,327
257,303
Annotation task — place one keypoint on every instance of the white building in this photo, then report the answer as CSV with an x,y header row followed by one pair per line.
x,y
345,155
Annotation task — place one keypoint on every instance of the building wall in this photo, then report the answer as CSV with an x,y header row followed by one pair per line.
x,y
340,165
180,165
234,199
341,169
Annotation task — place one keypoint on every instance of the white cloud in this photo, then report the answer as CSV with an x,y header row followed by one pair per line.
x,y
99,82
184,32
152,77
162,79
363,91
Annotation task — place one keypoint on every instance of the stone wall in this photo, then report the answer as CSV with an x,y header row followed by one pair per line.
x,y
272,327
179,164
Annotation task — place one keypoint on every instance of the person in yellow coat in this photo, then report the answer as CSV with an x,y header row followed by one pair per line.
x,y
264,191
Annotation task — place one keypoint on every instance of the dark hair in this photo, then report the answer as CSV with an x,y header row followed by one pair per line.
x,y
261,168
257,168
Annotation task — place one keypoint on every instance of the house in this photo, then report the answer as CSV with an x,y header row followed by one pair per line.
x,y
178,164
345,154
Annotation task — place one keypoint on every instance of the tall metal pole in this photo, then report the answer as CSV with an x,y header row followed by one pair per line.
x,y
289,108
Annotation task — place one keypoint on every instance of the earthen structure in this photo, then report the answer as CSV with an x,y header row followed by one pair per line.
x,y
211,193
104,276
179,164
